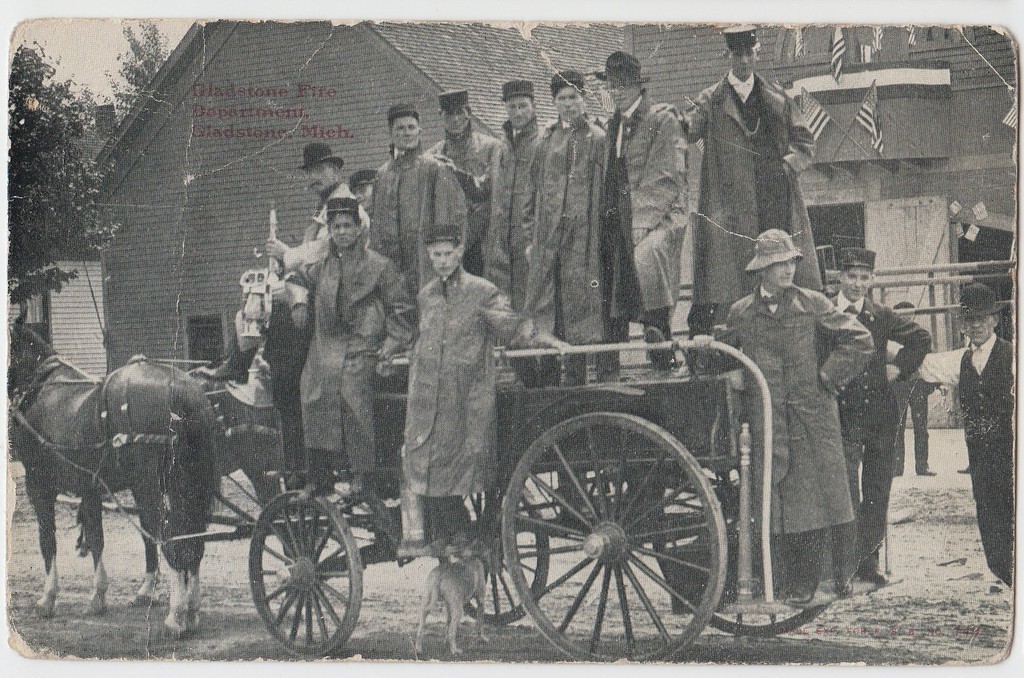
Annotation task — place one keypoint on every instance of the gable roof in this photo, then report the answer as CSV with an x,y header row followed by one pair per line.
x,y
480,57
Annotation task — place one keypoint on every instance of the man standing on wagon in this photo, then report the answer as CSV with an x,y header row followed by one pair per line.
x,y
450,426
756,145
362,312
785,330
645,192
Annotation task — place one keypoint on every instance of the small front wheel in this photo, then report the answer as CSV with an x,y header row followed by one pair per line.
x,y
306,574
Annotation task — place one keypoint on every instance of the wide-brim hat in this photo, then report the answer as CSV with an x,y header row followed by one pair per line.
x,y
453,101
317,152
516,88
977,300
622,68
856,257
740,37
772,247
568,78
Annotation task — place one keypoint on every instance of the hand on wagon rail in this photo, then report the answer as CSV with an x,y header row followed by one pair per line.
x,y
703,341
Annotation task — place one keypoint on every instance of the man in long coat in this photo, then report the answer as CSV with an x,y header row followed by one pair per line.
x,y
413,193
582,283
361,311
755,144
869,415
473,154
450,424
645,186
984,373
786,330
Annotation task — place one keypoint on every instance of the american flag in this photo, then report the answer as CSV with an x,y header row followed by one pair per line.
x,y
1011,117
912,40
798,34
876,40
838,50
867,116
816,116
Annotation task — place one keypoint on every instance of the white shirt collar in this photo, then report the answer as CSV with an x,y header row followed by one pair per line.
x,y
985,348
632,109
842,303
742,87
980,354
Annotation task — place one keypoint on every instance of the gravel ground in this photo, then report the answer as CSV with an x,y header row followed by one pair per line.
x,y
945,607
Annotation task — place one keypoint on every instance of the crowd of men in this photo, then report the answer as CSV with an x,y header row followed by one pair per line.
x,y
567,232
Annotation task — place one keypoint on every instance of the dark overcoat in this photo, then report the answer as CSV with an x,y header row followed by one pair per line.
x,y
810,488
375,314
474,153
726,223
450,426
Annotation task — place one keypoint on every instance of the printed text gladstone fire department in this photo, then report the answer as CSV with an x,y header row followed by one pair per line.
x,y
272,112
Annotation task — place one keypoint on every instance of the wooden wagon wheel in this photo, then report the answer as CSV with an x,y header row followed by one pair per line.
x,y
637,541
306,574
502,605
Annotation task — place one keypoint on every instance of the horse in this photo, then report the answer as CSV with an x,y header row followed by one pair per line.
x,y
147,428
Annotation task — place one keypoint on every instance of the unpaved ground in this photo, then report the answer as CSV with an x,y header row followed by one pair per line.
x,y
934,614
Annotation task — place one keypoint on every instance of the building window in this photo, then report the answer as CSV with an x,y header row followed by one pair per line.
x,y
840,226
205,337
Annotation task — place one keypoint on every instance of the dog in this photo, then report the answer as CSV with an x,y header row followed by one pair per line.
x,y
455,583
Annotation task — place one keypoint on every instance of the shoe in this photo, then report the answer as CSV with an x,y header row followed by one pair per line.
x,y
843,590
662,359
872,577
801,599
925,472
965,470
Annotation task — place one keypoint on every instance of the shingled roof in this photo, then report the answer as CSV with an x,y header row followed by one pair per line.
x,y
480,57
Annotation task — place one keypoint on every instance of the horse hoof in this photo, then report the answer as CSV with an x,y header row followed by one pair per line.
x,y
143,600
45,609
175,630
192,620
96,607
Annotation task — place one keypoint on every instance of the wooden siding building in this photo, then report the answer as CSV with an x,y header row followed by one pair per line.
x,y
197,168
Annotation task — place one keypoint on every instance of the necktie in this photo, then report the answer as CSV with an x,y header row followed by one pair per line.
x,y
851,309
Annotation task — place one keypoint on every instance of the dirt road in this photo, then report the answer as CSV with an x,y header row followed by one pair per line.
x,y
945,606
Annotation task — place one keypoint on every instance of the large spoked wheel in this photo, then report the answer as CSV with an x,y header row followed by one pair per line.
x,y
501,604
637,541
306,574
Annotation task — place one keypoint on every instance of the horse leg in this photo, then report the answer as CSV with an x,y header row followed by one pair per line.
x,y
43,497
149,517
178,604
194,600
91,515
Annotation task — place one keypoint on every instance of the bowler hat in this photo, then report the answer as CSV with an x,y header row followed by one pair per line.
x,y
453,101
361,178
856,257
317,152
772,247
740,37
516,88
978,300
443,233
343,206
569,78
622,68
402,111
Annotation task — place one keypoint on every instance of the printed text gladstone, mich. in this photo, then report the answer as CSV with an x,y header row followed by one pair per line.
x,y
265,112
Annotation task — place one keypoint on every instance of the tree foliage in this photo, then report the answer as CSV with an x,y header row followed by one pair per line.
x,y
53,182
147,51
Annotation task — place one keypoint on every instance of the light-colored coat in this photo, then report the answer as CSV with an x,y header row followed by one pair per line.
x,y
377,316
450,425
505,262
726,224
401,237
655,154
791,347
563,214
